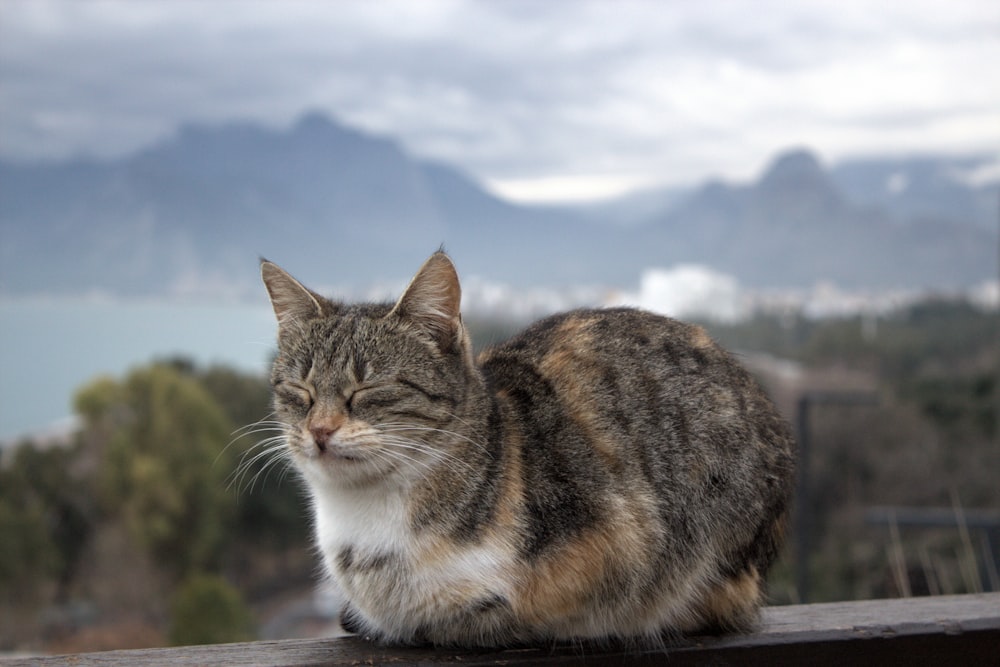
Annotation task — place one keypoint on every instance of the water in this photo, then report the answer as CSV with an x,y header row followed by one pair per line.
x,y
50,347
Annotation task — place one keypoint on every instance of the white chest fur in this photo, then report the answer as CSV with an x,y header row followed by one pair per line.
x,y
369,520
423,579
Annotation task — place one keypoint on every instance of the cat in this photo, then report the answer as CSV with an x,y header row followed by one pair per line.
x,y
607,474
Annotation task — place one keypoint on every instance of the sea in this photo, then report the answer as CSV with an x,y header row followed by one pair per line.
x,y
50,347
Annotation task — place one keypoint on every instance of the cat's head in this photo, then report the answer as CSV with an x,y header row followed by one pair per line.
x,y
366,392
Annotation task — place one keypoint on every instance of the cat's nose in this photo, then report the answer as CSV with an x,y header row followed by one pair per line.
x,y
323,430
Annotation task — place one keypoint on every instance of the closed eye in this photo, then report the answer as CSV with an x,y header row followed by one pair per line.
x,y
430,395
396,400
372,397
296,395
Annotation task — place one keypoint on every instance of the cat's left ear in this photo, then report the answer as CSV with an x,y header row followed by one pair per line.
x,y
432,302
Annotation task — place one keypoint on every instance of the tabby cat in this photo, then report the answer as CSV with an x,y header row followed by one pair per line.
x,y
606,474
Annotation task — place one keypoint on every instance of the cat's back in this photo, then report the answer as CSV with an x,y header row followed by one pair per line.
x,y
640,380
633,349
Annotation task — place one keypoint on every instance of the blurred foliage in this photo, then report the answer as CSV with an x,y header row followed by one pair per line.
x,y
208,610
163,467
27,551
933,335
157,460
45,517
964,405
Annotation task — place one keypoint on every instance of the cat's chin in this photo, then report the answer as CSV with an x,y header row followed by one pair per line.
x,y
306,450
342,466
341,455
337,458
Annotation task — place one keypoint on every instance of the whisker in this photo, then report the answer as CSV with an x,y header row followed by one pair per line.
x,y
395,428
454,463
270,465
394,431
270,446
262,426
271,450
264,420
265,471
401,457
457,418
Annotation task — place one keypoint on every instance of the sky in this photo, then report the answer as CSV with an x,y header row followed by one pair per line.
x,y
540,101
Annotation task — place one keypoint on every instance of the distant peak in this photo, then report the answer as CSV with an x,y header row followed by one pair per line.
x,y
797,162
318,126
314,120
798,169
797,175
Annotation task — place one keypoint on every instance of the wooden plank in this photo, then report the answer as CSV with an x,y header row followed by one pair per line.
x,y
960,630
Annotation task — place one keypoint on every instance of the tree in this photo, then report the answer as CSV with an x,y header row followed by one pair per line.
x,y
163,463
45,518
207,610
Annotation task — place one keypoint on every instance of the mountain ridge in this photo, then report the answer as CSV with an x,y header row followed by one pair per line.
x,y
337,206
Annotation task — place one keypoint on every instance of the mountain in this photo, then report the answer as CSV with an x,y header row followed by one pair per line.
x,y
201,207
795,225
926,187
333,204
339,207
632,208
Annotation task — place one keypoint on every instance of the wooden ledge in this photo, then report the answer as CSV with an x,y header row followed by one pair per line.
x,y
957,629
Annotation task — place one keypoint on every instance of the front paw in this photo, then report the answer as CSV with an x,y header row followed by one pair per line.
x,y
350,620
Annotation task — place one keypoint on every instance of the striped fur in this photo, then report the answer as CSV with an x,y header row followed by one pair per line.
x,y
604,474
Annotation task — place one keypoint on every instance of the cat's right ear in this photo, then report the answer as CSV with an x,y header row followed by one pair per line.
x,y
432,302
289,298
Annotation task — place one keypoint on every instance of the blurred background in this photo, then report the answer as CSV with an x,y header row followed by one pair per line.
x,y
816,182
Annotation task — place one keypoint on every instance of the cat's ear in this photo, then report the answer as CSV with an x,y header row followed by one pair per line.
x,y
432,302
289,298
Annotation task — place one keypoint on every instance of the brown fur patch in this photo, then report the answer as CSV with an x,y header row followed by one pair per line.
x,y
700,338
778,529
571,370
559,586
562,586
510,509
734,601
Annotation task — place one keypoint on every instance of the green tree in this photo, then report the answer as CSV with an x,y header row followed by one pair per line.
x,y
246,399
27,553
45,519
163,463
207,610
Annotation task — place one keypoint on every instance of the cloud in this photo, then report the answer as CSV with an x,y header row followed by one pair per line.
x,y
689,291
629,92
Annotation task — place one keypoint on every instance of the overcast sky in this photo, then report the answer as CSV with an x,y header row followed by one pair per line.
x,y
540,100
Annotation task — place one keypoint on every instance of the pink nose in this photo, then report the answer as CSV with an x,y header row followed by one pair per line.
x,y
323,431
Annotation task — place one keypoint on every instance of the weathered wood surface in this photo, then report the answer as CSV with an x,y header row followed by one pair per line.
x,y
947,630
